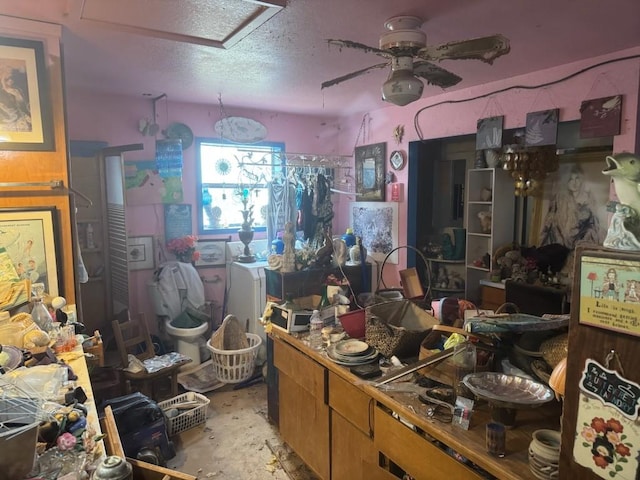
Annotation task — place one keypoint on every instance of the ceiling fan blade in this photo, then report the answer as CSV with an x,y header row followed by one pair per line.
x,y
351,75
360,46
485,49
435,75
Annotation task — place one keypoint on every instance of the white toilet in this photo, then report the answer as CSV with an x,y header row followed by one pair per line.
x,y
186,340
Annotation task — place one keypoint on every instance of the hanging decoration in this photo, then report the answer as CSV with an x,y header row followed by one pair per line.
x,y
601,117
542,128
608,435
489,133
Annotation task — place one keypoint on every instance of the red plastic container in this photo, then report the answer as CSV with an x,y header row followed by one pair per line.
x,y
353,323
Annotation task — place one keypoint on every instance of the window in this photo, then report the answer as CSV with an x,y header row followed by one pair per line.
x,y
227,172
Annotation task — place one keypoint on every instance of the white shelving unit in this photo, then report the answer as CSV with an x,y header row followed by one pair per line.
x,y
482,243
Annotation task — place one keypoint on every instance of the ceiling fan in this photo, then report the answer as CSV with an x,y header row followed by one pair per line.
x,y
406,50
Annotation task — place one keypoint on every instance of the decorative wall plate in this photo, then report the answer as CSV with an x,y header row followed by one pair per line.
x,y
181,131
397,159
240,129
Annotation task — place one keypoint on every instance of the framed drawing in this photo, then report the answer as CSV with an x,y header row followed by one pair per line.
x,y
212,253
370,171
377,224
30,237
140,253
601,117
573,204
610,291
542,128
177,221
26,123
489,133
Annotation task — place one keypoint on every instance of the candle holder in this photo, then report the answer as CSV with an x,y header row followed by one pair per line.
x,y
245,233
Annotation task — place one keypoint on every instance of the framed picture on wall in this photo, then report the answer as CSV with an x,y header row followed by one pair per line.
x,y
26,122
370,171
573,204
140,253
212,253
30,237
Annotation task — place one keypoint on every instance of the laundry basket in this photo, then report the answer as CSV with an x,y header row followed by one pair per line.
x,y
235,366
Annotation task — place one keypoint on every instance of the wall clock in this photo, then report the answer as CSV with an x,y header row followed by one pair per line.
x,y
240,129
179,131
397,159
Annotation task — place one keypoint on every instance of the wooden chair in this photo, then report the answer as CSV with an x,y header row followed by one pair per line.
x,y
132,337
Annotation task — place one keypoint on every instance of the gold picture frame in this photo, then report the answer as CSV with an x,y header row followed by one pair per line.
x,y
26,123
370,172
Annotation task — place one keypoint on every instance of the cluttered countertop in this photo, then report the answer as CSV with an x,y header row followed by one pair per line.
x,y
49,424
460,429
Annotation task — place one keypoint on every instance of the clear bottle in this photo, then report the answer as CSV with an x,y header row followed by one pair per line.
x,y
315,331
41,316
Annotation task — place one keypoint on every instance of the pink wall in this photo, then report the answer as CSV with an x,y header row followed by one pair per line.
x,y
115,119
459,119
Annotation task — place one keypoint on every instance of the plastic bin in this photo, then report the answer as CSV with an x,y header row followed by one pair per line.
x,y
187,418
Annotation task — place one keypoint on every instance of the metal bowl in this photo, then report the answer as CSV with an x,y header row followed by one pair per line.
x,y
508,391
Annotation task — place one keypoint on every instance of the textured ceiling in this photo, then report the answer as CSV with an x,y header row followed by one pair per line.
x,y
133,47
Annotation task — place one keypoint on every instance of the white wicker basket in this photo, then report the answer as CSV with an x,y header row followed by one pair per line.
x,y
187,418
235,366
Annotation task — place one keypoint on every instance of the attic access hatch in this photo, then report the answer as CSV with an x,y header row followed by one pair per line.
x,y
219,24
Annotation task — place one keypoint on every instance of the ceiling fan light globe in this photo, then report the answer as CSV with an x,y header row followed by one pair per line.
x,y
402,88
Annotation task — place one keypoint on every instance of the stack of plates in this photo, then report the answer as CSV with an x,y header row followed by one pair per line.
x,y
352,352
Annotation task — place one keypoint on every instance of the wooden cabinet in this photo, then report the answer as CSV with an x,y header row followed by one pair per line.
x,y
309,282
415,454
304,415
492,295
490,223
352,449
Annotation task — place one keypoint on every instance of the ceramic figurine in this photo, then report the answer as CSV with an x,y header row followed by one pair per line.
x,y
289,254
339,252
624,228
485,221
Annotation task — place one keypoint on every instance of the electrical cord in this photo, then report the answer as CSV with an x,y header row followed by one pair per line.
x,y
416,123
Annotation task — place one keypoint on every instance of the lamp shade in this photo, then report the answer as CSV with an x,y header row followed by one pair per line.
x,y
402,87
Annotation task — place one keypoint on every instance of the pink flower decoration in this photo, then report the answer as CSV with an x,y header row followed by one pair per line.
x,y
66,441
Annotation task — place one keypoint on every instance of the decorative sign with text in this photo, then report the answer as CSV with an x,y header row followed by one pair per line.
x,y
610,294
611,388
607,432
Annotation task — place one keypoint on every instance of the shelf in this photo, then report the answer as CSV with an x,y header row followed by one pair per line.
x,y
480,202
442,260
95,279
88,220
480,269
483,235
448,290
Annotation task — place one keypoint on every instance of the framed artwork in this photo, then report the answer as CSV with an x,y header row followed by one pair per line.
x,y
572,206
542,128
489,133
177,221
610,291
370,172
377,224
140,253
601,117
212,253
30,237
26,123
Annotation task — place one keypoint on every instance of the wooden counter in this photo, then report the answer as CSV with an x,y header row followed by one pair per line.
x,y
319,394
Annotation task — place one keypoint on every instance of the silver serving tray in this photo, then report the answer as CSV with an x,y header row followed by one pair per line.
x,y
510,391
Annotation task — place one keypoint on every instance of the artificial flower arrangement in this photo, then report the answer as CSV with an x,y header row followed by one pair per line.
x,y
184,248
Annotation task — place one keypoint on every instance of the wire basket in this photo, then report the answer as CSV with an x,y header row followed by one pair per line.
x,y
192,417
235,366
